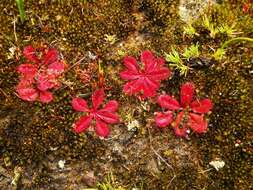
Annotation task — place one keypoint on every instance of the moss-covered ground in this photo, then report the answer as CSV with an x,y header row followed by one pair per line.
x,y
34,137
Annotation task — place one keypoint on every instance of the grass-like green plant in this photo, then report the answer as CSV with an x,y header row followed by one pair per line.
x,y
210,26
21,9
173,57
190,31
228,30
109,184
220,52
224,28
192,51
176,62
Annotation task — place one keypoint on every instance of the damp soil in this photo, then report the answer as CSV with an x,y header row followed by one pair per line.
x,y
38,147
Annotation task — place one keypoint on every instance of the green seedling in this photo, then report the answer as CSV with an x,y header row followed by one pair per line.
x,y
228,30
173,57
192,51
219,54
190,31
176,62
210,26
109,184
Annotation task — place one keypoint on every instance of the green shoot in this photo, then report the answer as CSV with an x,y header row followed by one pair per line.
x,y
192,51
228,30
176,62
190,31
111,39
21,9
206,22
209,26
236,40
219,54
109,184
173,57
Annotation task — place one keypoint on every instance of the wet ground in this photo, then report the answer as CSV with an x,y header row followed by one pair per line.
x,y
39,149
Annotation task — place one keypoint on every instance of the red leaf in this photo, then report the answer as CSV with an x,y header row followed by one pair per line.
x,y
27,69
168,102
43,82
131,64
129,75
79,104
46,96
149,87
25,82
197,123
101,128
202,106
163,119
107,116
111,106
56,68
30,54
187,93
245,7
132,87
148,59
146,55
180,126
160,61
82,124
50,57
98,98
161,74
27,93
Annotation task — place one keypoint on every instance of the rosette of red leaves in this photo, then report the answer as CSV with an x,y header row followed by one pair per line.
x,y
144,79
189,112
39,74
101,117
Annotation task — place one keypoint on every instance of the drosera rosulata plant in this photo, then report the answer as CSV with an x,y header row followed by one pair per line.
x,y
100,116
39,74
188,114
144,79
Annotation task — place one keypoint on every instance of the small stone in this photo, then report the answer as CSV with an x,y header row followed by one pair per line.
x,y
217,164
61,164
132,125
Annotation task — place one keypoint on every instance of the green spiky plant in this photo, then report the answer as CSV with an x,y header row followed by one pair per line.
x,y
190,31
175,61
210,26
21,9
192,51
228,30
109,184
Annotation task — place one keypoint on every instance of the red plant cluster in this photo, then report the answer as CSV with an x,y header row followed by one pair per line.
x,y
39,74
100,116
144,79
42,69
189,113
